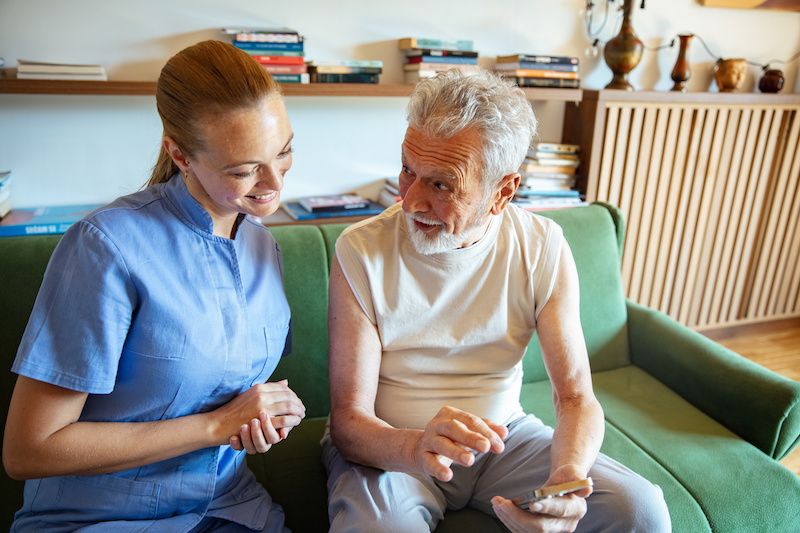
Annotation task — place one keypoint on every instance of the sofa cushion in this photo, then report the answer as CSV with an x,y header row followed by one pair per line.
x,y
702,467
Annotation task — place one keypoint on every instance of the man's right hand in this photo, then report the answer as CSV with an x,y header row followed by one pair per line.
x,y
451,436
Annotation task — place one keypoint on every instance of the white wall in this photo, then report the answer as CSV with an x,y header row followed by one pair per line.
x,y
82,149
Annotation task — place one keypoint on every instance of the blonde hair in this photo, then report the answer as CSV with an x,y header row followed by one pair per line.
x,y
208,78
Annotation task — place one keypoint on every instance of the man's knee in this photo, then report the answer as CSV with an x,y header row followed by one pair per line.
x,y
363,499
634,505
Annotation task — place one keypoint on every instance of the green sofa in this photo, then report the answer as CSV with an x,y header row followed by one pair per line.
x,y
701,422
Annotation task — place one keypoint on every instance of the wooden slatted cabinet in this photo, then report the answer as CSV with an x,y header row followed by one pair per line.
x,y
708,185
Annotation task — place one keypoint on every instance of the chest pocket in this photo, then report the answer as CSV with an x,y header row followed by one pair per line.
x,y
275,340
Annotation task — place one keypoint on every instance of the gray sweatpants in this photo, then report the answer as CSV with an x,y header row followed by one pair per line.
x,y
364,499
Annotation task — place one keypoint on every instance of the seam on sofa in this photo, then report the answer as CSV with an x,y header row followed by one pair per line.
x,y
664,468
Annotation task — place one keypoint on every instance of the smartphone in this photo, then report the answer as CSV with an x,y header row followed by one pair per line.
x,y
554,491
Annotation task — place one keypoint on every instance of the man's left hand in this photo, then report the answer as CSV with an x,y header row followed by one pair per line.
x,y
554,515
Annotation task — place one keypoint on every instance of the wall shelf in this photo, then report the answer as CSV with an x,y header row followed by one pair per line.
x,y
17,86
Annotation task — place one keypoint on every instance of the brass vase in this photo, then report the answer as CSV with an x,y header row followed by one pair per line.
x,y
623,52
681,71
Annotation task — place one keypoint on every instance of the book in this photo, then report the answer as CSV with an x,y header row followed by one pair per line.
x,y
277,53
344,78
553,83
456,60
440,67
58,68
276,35
528,65
365,63
33,70
438,44
527,73
50,76
279,60
270,47
531,58
285,69
554,148
291,78
43,220
333,69
5,193
524,191
544,154
413,52
298,212
549,167
547,182
332,202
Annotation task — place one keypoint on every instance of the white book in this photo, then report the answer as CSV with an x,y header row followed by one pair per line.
x,y
36,67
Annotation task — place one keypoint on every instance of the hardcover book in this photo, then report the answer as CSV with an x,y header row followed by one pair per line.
x,y
298,212
413,52
43,220
262,47
555,83
439,44
332,202
455,60
536,66
519,58
344,78
549,74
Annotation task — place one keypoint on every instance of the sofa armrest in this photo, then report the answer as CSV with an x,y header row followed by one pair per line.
x,y
757,404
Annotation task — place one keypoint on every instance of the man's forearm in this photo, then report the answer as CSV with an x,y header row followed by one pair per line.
x,y
365,439
578,435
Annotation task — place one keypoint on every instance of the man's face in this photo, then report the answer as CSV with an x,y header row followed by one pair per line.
x,y
440,184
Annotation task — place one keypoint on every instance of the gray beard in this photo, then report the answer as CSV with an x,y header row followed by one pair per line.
x,y
441,242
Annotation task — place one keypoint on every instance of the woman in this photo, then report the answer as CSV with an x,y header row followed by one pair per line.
x,y
161,316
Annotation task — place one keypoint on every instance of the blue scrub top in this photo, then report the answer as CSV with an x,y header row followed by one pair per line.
x,y
146,310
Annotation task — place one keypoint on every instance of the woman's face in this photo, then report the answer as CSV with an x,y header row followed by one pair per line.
x,y
241,169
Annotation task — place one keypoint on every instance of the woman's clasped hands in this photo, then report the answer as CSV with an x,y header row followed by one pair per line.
x,y
261,416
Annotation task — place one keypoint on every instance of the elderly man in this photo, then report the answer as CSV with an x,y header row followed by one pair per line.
x,y
432,305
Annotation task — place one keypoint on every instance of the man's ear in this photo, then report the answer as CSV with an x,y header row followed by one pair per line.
x,y
176,154
505,192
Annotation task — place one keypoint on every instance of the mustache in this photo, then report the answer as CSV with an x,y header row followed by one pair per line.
x,y
424,220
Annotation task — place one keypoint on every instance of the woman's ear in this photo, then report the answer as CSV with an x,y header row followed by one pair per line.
x,y
176,154
505,192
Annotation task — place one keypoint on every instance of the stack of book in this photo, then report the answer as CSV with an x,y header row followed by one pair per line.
x,y
390,194
5,193
345,71
548,177
280,51
331,206
427,57
540,71
34,70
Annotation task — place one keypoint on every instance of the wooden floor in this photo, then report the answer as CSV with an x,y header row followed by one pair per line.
x,y
775,346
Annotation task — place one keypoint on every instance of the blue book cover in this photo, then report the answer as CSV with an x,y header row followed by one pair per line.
x,y
43,220
298,212
266,47
453,60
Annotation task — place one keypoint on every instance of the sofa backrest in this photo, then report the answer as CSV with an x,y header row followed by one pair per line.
x,y
595,235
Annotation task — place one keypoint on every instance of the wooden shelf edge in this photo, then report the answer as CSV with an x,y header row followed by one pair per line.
x,y
660,97
64,87
17,86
